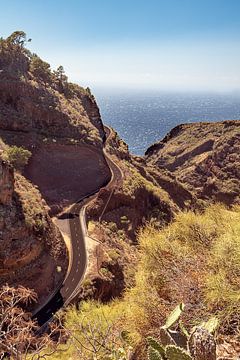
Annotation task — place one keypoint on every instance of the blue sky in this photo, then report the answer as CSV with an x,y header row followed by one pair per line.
x,y
151,44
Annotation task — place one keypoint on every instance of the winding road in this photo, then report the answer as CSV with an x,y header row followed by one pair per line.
x,y
79,257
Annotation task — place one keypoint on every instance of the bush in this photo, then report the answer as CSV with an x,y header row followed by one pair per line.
x,y
94,333
196,259
17,156
114,255
40,69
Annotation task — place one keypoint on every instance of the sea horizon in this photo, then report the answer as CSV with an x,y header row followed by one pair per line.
x,y
142,117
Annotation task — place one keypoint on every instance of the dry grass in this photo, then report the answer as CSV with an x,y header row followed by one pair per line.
x,y
196,259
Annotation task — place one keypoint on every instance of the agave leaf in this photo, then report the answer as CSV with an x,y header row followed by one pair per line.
x,y
174,316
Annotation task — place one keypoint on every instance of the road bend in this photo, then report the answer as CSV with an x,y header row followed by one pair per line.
x,y
65,293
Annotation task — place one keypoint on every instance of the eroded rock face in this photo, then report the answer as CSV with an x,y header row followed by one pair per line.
x,y
6,183
31,247
204,157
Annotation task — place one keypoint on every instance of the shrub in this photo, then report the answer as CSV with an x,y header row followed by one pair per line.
x,y
105,272
196,259
113,254
40,69
17,156
94,333
121,234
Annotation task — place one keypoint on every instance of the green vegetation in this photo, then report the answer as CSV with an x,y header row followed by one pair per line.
x,y
94,333
40,69
105,272
136,181
194,259
14,46
112,226
114,255
32,205
124,220
179,344
50,90
18,38
91,226
17,156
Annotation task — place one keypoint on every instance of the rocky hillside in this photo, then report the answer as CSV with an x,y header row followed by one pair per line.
x,y
59,122
51,139
193,166
32,251
203,157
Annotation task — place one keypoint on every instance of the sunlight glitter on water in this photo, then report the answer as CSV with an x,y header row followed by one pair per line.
x,y
142,119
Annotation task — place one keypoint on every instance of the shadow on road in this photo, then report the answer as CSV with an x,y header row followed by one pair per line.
x,y
68,216
49,309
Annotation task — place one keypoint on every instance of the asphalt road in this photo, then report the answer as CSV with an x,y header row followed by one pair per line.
x,y
78,229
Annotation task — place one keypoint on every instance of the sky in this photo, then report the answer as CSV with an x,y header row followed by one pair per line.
x,y
173,45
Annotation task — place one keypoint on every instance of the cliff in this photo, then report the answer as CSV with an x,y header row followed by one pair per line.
x,y
31,247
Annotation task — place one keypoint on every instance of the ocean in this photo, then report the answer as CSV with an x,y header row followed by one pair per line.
x,y
144,118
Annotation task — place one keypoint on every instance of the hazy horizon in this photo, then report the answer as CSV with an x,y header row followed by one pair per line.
x,y
159,45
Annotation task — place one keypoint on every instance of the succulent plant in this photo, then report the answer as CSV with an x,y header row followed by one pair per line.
x,y
179,345
210,325
174,316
